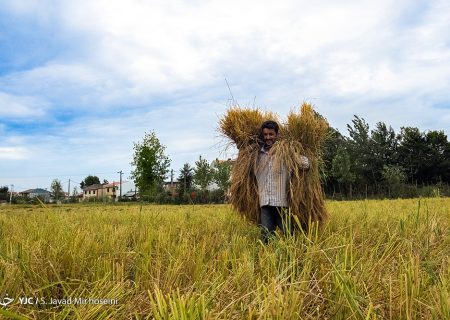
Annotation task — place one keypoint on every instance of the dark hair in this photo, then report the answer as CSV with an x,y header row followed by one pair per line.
x,y
270,124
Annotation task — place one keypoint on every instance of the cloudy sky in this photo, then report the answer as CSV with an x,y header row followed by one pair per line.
x,y
80,81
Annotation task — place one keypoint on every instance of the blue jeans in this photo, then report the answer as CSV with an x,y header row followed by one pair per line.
x,y
273,217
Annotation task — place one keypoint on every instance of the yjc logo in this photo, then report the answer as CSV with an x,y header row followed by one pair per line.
x,y
5,301
26,300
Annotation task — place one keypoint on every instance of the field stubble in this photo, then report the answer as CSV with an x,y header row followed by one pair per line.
x,y
370,260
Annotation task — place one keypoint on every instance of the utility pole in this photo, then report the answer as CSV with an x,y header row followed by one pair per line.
x,y
172,193
10,194
120,194
68,192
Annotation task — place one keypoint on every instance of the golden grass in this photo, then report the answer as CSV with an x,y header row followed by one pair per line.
x,y
301,135
369,260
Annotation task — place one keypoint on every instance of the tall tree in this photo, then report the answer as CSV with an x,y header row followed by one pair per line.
x,y
4,193
202,173
342,169
331,144
412,153
360,150
185,179
437,166
89,181
151,164
384,149
57,189
221,174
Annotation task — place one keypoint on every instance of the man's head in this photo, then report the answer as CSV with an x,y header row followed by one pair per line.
x,y
269,133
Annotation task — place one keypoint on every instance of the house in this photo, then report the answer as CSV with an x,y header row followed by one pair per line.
x,y
130,195
108,190
100,191
171,187
43,194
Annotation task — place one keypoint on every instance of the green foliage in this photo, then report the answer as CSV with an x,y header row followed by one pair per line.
x,y
412,152
359,147
151,165
393,176
202,174
89,181
4,193
331,145
56,189
185,179
437,165
373,159
341,169
384,149
221,174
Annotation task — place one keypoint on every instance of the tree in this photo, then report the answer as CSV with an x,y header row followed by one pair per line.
x,y
4,193
151,164
57,189
202,174
342,169
393,176
384,150
333,141
221,174
412,153
185,180
89,181
360,150
437,160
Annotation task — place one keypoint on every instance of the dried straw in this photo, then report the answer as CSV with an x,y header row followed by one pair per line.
x,y
302,134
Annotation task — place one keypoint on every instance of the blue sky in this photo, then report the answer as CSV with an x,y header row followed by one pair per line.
x,y
80,81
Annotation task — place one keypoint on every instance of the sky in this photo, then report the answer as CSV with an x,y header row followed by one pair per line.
x,y
81,81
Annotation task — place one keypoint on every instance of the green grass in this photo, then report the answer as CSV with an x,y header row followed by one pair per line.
x,y
371,260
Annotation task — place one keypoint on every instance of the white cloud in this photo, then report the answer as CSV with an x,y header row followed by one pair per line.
x,y
12,106
13,153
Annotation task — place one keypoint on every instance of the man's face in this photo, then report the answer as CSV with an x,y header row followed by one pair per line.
x,y
270,136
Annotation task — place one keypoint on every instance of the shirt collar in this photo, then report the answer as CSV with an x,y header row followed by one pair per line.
x,y
263,150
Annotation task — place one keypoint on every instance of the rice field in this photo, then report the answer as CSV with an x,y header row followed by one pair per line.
x,y
371,260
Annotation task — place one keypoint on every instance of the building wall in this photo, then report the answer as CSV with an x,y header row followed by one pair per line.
x,y
105,191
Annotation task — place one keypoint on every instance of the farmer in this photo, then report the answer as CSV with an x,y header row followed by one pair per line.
x,y
273,184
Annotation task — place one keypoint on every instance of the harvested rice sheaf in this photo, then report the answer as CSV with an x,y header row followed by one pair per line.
x,y
302,134
242,125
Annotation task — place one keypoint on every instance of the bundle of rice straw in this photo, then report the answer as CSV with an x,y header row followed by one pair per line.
x,y
302,134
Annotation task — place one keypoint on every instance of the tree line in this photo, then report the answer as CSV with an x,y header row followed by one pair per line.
x,y
381,163
368,163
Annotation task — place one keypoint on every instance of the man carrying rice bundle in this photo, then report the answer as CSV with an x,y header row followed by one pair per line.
x,y
276,174
273,184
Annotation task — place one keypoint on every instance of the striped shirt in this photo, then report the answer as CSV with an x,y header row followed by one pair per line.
x,y
273,180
